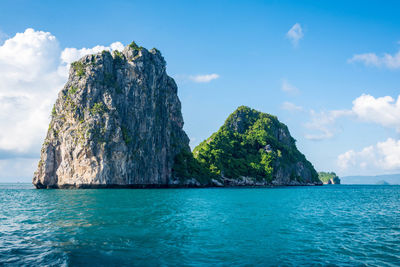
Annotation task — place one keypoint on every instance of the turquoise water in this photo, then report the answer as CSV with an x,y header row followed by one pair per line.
x,y
329,225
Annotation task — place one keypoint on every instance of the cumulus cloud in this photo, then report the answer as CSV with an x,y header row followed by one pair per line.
x,y
70,55
289,88
371,59
384,156
384,111
291,106
203,78
29,82
295,34
33,69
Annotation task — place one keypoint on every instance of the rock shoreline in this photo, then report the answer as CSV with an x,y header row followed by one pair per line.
x,y
227,184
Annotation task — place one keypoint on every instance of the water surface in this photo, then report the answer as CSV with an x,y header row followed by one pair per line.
x,y
329,225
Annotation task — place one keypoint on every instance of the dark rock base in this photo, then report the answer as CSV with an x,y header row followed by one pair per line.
x,y
159,186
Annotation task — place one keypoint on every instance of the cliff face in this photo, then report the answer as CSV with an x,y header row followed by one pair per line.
x,y
335,180
117,122
254,148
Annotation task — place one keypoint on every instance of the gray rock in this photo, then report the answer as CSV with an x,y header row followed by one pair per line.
x,y
335,180
216,183
116,122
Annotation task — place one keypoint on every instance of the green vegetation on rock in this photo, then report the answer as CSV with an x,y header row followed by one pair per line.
x,y
98,108
53,111
187,167
79,68
69,103
126,135
72,90
134,46
252,144
111,81
118,57
328,178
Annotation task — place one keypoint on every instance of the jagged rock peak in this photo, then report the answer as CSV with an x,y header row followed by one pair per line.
x,y
116,122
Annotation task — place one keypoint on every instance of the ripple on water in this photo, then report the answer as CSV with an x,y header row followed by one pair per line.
x,y
335,225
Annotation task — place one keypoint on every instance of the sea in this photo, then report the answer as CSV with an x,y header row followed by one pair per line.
x,y
335,225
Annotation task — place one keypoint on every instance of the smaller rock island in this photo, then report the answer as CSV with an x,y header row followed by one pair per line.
x,y
254,149
329,178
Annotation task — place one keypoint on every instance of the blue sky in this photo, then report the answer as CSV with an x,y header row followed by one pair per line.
x,y
310,86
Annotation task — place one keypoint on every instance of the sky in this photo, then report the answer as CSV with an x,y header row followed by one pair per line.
x,y
329,70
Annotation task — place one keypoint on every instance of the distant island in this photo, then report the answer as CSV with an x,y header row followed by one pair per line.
x,y
392,179
329,178
382,182
118,123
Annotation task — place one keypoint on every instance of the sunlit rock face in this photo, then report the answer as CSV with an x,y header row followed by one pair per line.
x,y
116,123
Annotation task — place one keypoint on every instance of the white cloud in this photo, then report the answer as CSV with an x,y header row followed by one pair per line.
x,y
295,34
203,78
33,69
70,55
289,88
384,111
323,124
371,59
29,83
383,157
291,106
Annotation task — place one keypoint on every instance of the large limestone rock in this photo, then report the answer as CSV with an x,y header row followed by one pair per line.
x,y
116,122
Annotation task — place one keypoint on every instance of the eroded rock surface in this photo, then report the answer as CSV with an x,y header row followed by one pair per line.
x,y
116,122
